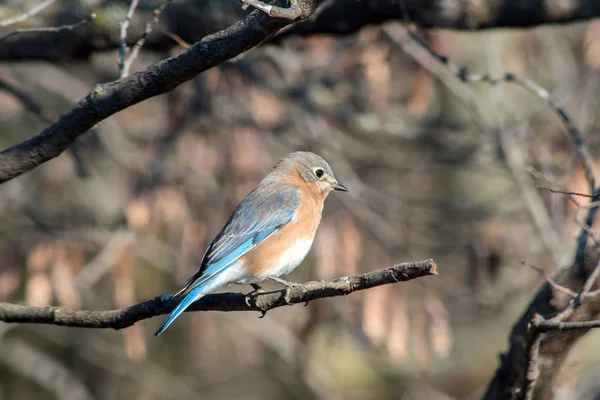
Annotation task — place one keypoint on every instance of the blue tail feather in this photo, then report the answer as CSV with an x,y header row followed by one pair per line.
x,y
191,297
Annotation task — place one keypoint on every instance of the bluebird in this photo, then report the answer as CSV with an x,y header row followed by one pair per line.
x,y
269,233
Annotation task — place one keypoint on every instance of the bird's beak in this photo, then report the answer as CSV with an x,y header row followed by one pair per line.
x,y
340,187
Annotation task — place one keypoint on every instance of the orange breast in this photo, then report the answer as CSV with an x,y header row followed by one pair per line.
x,y
289,245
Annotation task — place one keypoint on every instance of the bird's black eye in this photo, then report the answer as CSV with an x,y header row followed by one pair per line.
x,y
319,173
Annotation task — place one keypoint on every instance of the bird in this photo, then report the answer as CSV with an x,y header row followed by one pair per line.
x,y
269,233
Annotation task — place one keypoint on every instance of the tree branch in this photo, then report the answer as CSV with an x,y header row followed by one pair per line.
x,y
109,98
344,17
123,36
545,326
341,17
53,29
28,14
135,50
532,362
119,319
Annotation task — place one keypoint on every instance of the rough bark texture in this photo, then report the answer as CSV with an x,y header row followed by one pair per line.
x,y
119,319
554,347
106,99
192,20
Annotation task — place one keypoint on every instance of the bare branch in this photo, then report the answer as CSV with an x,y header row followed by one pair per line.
x,y
108,98
55,29
28,14
549,279
586,229
119,319
123,35
177,39
345,17
587,286
448,73
576,136
531,356
549,325
569,193
135,50
341,17
533,360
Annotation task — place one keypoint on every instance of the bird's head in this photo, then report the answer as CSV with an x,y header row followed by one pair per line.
x,y
313,170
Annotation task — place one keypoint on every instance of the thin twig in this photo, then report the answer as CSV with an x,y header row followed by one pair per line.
x,y
447,72
177,39
576,136
123,35
586,228
28,14
141,41
511,381
549,279
119,319
567,192
587,286
550,325
539,175
108,98
55,29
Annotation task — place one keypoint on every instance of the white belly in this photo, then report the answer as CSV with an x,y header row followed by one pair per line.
x,y
290,259
286,263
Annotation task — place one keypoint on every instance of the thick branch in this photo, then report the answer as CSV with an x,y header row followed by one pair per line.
x,y
109,98
512,376
341,17
119,319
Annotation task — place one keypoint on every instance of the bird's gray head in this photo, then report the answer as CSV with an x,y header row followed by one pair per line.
x,y
313,169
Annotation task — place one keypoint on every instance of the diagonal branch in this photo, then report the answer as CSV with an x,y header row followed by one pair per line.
x,y
52,29
119,319
109,98
123,35
135,50
28,14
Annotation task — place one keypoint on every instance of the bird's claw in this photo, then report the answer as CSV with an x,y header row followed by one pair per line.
x,y
263,313
286,296
252,295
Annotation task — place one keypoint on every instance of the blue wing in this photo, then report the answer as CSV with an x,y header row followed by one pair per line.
x,y
258,216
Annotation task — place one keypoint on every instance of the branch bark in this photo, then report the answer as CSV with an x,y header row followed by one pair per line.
x,y
109,98
528,370
343,17
512,375
339,17
119,319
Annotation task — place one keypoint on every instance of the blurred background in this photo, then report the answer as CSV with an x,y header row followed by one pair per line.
x,y
128,211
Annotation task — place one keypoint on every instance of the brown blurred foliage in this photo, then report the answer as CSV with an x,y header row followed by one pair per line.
x,y
126,215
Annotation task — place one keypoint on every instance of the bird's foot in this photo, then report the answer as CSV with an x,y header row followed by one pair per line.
x,y
250,296
293,12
